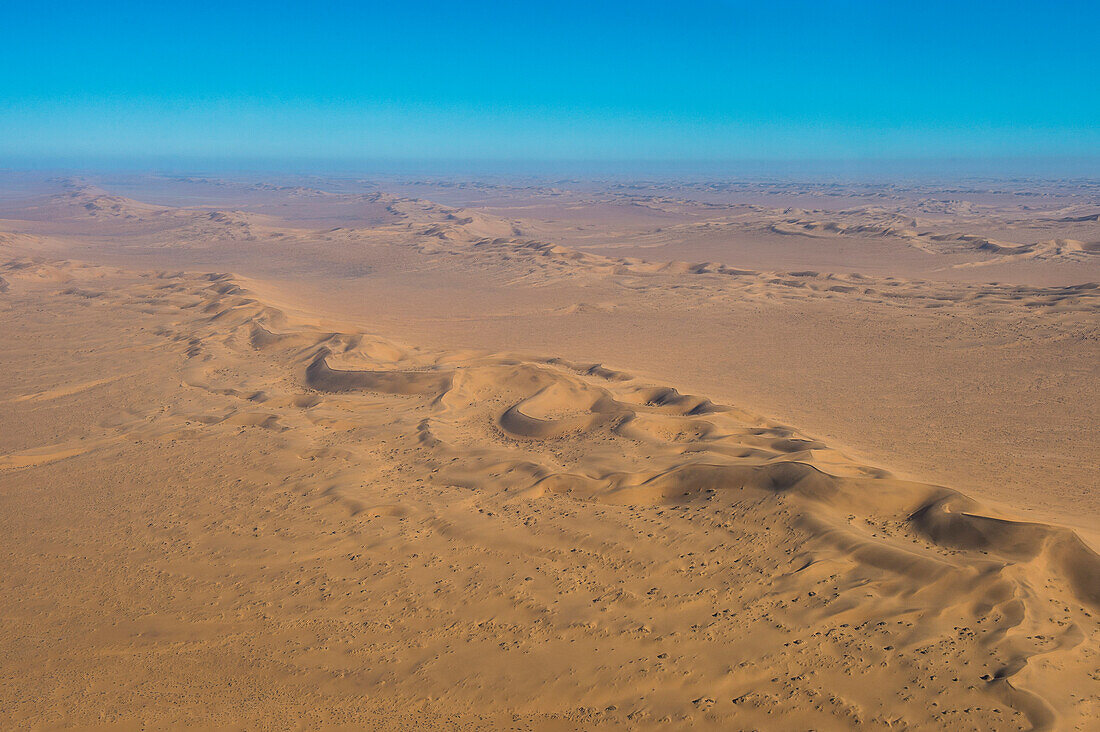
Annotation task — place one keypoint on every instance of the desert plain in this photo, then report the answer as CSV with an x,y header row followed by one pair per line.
x,y
536,452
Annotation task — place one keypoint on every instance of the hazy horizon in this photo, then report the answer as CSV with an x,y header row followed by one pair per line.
x,y
854,170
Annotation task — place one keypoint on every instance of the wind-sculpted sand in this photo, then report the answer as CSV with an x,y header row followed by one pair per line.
x,y
500,462
256,517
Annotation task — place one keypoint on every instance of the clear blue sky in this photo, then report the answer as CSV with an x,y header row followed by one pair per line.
x,y
548,80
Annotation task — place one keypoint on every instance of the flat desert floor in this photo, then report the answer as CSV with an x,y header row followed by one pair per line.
x,y
534,453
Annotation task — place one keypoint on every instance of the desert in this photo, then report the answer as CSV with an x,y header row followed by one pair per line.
x,y
401,451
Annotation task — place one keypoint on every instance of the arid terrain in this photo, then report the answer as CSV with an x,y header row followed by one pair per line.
x,y
532,453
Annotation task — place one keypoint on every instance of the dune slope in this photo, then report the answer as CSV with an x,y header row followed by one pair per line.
x,y
245,514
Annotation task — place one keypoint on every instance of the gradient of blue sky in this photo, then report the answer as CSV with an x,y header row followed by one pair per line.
x,y
549,80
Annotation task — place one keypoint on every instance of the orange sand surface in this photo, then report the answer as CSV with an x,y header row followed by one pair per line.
x,y
548,455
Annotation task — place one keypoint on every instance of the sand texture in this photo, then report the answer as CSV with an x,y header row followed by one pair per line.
x,y
445,454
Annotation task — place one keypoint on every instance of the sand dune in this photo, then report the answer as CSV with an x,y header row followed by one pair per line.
x,y
488,455
951,242
393,530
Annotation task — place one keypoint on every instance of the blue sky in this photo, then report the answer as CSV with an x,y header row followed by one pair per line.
x,y
565,80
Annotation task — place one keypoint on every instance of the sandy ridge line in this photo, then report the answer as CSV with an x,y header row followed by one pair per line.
x,y
559,400
694,450
466,235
